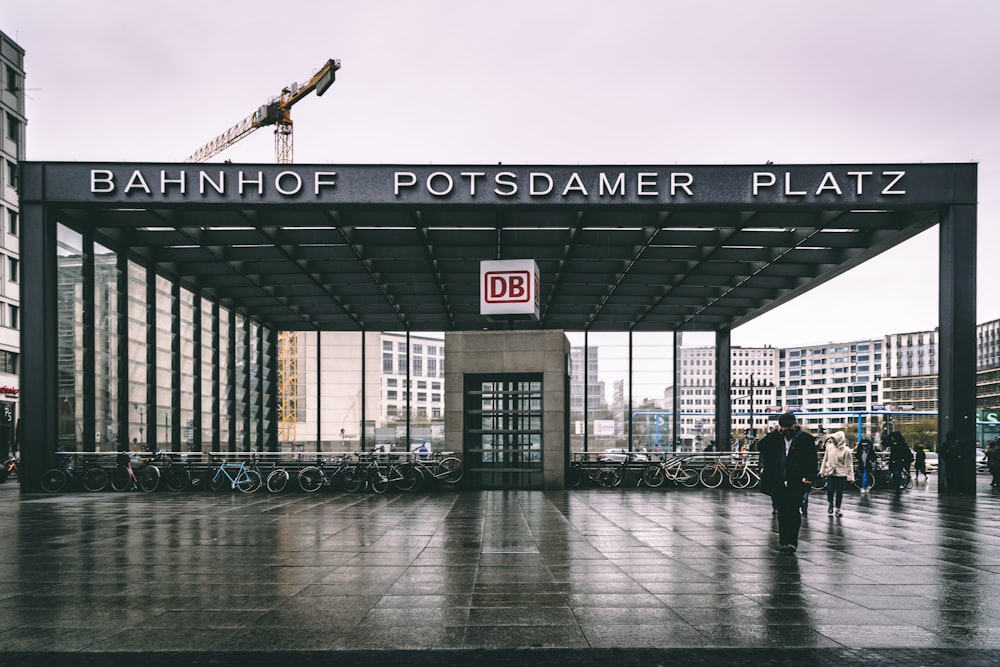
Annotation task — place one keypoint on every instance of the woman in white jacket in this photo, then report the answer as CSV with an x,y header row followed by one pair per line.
x,y
837,468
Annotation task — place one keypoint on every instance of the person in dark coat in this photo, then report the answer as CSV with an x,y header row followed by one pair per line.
x,y
866,459
789,469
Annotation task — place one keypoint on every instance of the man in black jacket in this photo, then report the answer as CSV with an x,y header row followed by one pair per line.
x,y
788,469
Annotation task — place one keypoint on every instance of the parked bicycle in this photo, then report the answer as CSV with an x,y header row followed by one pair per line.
x,y
314,477
237,475
64,474
127,478
174,473
713,474
580,470
366,475
447,469
655,473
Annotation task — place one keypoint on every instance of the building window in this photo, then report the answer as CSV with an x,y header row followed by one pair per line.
x,y
387,346
8,362
11,174
12,222
13,128
418,366
390,395
13,319
401,365
13,272
387,362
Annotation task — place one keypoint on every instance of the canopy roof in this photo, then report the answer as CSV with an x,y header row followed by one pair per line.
x,y
645,248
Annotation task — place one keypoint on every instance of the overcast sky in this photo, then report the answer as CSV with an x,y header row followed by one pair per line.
x,y
551,82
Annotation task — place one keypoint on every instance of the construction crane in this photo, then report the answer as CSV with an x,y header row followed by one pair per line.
x,y
277,112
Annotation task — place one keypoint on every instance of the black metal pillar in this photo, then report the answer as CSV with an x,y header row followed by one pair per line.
x,y
675,423
39,358
957,345
723,394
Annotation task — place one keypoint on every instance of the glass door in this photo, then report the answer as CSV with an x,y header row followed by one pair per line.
x,y
503,431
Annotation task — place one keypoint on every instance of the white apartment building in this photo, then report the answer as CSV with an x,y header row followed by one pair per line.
x,y
753,376
12,123
834,377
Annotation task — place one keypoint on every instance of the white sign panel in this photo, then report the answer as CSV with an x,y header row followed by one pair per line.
x,y
604,427
509,287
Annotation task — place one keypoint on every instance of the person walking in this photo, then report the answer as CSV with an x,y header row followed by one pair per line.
x,y
993,462
900,458
866,461
919,462
837,469
789,469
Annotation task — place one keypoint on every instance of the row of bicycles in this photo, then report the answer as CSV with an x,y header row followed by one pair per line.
x,y
739,471
348,472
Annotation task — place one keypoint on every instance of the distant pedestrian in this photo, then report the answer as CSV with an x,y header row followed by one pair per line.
x,y
838,469
900,458
919,462
993,461
866,462
789,456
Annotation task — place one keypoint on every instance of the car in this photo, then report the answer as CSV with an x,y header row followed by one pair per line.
x,y
931,461
617,455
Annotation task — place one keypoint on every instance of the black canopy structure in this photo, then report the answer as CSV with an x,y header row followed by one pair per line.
x,y
398,247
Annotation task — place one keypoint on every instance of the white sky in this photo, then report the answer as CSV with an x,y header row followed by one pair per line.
x,y
553,82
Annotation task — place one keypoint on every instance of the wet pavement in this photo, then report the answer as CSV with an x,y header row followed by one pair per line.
x,y
582,577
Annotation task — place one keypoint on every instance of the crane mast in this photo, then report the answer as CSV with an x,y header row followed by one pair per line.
x,y
278,112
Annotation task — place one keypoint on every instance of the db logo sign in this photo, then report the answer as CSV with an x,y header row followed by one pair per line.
x,y
507,287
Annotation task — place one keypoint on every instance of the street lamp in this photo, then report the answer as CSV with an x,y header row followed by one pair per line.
x,y
142,419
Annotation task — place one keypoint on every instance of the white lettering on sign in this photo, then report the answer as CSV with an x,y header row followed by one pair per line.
x,y
509,287
286,183
542,184
853,182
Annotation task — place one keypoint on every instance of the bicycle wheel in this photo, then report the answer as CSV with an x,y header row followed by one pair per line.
x,y
277,480
177,478
653,476
450,470
574,476
121,480
605,478
711,477
689,477
379,479
354,478
740,478
310,479
54,480
218,479
149,478
249,481
405,477
95,479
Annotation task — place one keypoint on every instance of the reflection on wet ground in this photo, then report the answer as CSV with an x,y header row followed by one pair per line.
x,y
495,577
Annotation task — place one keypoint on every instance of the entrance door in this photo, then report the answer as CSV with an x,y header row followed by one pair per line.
x,y
503,431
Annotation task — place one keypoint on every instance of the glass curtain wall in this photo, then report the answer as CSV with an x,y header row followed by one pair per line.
x,y
188,371
106,351
70,262
137,324
161,422
652,404
207,378
227,388
620,391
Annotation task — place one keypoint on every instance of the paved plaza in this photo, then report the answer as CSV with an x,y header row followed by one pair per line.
x,y
628,576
